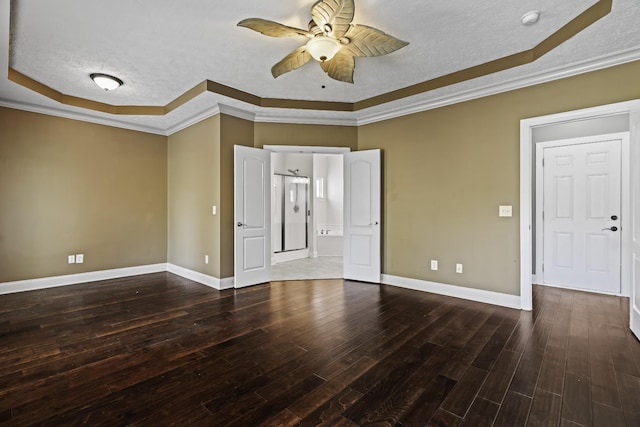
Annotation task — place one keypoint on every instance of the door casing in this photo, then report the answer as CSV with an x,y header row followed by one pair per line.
x,y
527,195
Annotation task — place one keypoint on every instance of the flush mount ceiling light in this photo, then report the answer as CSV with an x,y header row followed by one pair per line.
x,y
106,81
530,17
323,48
332,40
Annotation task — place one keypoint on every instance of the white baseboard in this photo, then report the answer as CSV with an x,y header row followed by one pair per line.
x,y
290,255
73,279
487,297
94,276
205,279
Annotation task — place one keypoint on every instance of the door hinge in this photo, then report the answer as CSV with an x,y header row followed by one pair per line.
x,y
543,162
542,267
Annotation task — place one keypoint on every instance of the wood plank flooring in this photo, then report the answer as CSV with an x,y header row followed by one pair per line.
x,y
162,350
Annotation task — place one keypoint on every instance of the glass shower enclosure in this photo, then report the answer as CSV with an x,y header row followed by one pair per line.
x,y
291,212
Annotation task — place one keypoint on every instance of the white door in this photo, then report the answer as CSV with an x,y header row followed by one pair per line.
x,y
252,213
582,216
634,306
362,215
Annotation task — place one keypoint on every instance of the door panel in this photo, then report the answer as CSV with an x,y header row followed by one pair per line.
x,y
252,213
362,215
581,196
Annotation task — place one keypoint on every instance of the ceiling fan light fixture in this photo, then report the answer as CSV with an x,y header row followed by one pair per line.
x,y
530,17
105,81
323,48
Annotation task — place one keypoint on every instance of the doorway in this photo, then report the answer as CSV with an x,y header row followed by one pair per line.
x,y
307,216
574,124
362,219
578,212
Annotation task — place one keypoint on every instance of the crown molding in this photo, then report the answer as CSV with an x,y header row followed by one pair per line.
x,y
73,115
618,58
237,112
291,119
195,119
354,119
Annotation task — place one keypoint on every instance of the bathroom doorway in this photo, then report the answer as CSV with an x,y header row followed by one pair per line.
x,y
307,215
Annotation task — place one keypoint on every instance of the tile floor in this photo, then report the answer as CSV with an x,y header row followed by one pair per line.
x,y
308,268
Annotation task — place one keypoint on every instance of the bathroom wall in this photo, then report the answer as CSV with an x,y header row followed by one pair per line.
x,y
328,210
328,167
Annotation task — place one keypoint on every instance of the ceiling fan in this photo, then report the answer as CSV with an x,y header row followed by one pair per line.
x,y
332,40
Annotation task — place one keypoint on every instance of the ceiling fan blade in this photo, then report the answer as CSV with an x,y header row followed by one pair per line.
x,y
368,41
341,66
294,60
336,14
273,29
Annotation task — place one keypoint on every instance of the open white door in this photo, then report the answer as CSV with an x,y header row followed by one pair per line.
x,y
634,303
362,215
252,213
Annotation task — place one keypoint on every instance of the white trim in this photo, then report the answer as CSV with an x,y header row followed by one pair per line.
x,y
478,295
72,279
237,112
526,127
83,117
269,117
357,118
202,278
575,69
290,255
625,207
195,119
303,149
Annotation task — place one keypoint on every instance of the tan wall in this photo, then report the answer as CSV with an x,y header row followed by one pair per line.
x,y
305,135
447,170
193,188
68,187
233,131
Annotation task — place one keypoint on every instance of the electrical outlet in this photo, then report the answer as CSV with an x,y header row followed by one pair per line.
x,y
72,259
505,211
434,264
79,258
458,268
206,259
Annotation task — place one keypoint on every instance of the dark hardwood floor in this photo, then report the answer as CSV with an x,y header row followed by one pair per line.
x,y
161,350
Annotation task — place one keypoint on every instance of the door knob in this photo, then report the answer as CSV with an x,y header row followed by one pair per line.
x,y
614,228
240,224
614,217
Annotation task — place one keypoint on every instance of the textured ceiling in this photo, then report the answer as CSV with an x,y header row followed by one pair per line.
x,y
162,48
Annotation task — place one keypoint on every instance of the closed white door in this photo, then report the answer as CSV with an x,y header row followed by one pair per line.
x,y
582,216
252,213
362,216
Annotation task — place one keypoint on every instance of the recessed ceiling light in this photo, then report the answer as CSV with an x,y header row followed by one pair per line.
x,y
106,81
531,17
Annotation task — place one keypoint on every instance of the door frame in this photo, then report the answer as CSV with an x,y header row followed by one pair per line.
x,y
526,180
625,206
301,149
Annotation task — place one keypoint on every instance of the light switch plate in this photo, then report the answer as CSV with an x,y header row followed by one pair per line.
x,y
71,259
79,258
505,210
214,210
434,264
